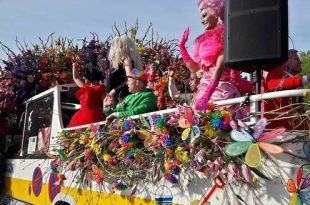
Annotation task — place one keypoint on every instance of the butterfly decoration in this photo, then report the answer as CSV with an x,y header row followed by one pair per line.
x,y
252,143
186,121
301,190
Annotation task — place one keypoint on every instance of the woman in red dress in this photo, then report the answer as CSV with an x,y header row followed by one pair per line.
x,y
90,95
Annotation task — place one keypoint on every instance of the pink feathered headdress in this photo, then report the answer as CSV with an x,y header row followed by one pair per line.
x,y
215,6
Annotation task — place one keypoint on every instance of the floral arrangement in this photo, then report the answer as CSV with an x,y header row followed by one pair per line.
x,y
31,72
47,64
158,56
129,152
94,54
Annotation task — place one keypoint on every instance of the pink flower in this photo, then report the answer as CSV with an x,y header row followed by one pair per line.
x,y
246,172
215,167
233,173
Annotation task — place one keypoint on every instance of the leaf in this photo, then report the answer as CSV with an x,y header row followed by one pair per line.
x,y
237,148
290,186
185,133
239,197
299,175
304,196
259,173
295,200
240,136
270,148
306,149
306,183
243,125
145,122
259,127
188,113
195,133
272,134
253,156
305,170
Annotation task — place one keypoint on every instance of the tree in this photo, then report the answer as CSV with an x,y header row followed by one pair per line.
x,y
305,59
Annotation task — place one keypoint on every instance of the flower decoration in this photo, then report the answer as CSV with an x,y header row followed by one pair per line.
x,y
251,144
301,193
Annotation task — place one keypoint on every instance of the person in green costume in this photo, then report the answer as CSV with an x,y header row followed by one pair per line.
x,y
142,100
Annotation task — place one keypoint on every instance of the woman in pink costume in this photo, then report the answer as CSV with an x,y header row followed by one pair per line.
x,y
208,55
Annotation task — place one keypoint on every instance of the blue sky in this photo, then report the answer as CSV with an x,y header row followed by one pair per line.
x,y
75,19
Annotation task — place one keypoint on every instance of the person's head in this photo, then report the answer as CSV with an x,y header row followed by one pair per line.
x,y
211,12
137,80
123,47
92,74
194,81
293,64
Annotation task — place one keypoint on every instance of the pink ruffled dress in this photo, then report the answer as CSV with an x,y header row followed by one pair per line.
x,y
207,48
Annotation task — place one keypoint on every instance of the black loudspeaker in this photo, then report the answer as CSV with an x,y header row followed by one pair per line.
x,y
256,33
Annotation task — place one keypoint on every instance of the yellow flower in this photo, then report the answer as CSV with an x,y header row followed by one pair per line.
x,y
254,179
97,149
121,152
106,157
209,131
73,144
83,139
181,154
141,49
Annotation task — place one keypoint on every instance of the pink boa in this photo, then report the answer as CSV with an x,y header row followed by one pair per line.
x,y
208,46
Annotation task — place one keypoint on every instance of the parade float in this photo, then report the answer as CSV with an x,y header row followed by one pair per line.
x,y
173,156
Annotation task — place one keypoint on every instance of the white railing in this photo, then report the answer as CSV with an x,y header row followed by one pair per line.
x,y
252,98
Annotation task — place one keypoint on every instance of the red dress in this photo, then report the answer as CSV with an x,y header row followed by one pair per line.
x,y
90,98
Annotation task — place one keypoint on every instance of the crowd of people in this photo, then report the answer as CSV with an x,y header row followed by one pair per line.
x,y
126,94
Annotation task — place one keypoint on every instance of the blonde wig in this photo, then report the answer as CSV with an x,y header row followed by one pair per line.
x,y
123,47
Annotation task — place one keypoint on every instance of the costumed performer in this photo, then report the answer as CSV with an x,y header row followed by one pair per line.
x,y
123,57
90,95
142,100
215,83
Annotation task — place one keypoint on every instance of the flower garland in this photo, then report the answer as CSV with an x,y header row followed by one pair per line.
x,y
124,153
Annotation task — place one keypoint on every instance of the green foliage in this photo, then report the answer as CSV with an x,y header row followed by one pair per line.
x,y
305,59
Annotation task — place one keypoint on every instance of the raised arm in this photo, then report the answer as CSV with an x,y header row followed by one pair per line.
x,y
76,76
190,63
127,66
172,88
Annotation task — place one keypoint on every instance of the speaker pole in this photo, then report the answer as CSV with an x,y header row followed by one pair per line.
x,y
258,85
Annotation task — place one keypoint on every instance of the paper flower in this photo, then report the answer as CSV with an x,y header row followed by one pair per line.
x,y
251,144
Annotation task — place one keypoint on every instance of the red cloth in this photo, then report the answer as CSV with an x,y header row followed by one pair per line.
x,y
244,86
276,80
90,98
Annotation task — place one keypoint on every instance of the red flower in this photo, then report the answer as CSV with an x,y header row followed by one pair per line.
x,y
44,60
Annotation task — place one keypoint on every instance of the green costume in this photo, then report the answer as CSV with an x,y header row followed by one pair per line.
x,y
137,103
